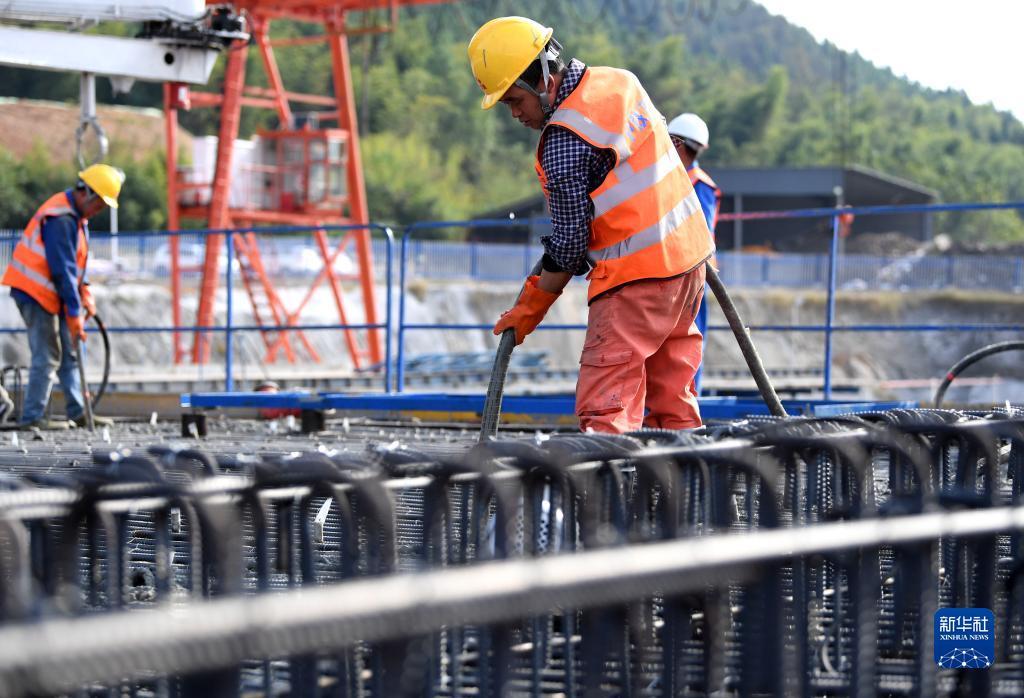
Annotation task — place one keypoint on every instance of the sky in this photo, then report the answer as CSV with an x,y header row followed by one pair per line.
x,y
974,46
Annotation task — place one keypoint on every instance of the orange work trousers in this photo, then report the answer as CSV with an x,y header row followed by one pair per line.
x,y
641,353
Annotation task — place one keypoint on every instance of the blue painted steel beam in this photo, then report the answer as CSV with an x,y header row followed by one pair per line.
x,y
283,400
711,407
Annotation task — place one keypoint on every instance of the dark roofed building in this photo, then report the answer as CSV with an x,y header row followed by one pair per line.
x,y
776,189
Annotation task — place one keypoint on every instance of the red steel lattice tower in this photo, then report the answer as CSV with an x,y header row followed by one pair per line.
x,y
322,187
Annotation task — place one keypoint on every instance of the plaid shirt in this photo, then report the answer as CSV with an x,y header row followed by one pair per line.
x,y
574,169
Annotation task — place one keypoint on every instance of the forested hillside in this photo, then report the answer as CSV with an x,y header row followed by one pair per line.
x,y
770,93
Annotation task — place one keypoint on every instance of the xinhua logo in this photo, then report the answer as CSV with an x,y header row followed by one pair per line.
x,y
965,638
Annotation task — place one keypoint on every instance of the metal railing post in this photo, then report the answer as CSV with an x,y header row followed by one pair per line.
x,y
400,359
229,379
390,240
830,305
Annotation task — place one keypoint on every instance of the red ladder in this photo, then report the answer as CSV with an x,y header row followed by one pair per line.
x,y
267,308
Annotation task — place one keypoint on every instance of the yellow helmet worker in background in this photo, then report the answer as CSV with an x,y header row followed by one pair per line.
x,y
105,180
49,285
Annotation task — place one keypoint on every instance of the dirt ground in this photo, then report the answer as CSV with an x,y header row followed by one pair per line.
x,y
26,124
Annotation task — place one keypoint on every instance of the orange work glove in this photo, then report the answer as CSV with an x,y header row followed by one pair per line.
x,y
528,311
88,302
76,326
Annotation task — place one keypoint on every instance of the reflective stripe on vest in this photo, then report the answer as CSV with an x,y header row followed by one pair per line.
x,y
29,270
576,121
632,183
34,275
654,235
647,220
34,242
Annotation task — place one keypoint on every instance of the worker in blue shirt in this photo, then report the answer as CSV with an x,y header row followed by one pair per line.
x,y
690,136
47,279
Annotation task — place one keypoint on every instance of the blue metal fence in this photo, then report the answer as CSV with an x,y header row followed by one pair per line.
x,y
147,257
477,261
285,251
831,272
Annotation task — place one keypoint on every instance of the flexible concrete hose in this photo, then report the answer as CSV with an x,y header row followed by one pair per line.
x,y
106,360
496,386
971,359
750,355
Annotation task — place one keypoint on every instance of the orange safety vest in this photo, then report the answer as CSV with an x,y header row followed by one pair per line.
x,y
648,222
28,269
699,175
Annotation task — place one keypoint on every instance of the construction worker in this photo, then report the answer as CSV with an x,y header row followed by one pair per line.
x,y
48,284
620,203
691,137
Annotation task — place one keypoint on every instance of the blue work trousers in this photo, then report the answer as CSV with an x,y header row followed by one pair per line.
x,y
50,343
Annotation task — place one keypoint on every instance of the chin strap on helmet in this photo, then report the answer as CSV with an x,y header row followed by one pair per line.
x,y
550,53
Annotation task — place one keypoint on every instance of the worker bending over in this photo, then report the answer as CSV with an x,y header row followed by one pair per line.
x,y
690,137
618,194
47,280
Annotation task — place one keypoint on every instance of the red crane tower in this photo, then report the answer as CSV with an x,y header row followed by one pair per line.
x,y
309,175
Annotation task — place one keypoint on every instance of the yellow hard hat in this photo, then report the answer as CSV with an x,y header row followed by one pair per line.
x,y
105,180
501,50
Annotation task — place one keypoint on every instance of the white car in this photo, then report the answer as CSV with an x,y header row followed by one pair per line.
x,y
278,260
296,260
191,257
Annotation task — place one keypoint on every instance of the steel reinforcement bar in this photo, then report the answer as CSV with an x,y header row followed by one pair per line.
x,y
763,557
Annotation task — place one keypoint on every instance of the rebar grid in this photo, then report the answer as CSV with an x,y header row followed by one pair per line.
x,y
765,557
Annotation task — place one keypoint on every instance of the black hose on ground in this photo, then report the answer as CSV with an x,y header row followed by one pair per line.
x,y
106,361
750,355
971,359
496,386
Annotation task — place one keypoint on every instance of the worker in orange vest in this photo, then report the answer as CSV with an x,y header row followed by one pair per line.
x,y
621,206
47,279
691,137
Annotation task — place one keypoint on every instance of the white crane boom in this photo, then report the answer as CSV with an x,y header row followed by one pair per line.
x,y
179,40
83,12
139,59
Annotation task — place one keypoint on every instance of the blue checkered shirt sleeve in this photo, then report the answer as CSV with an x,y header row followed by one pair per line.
x,y
573,168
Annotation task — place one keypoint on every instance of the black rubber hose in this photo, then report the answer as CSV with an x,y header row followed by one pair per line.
x,y
971,359
496,386
106,361
750,355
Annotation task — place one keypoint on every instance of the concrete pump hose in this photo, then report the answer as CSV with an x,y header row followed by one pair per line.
x,y
971,359
106,360
496,387
750,355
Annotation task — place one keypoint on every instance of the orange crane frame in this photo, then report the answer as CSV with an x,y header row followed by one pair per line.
x,y
218,214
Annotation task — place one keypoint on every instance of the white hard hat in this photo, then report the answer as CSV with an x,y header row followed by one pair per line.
x,y
690,127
